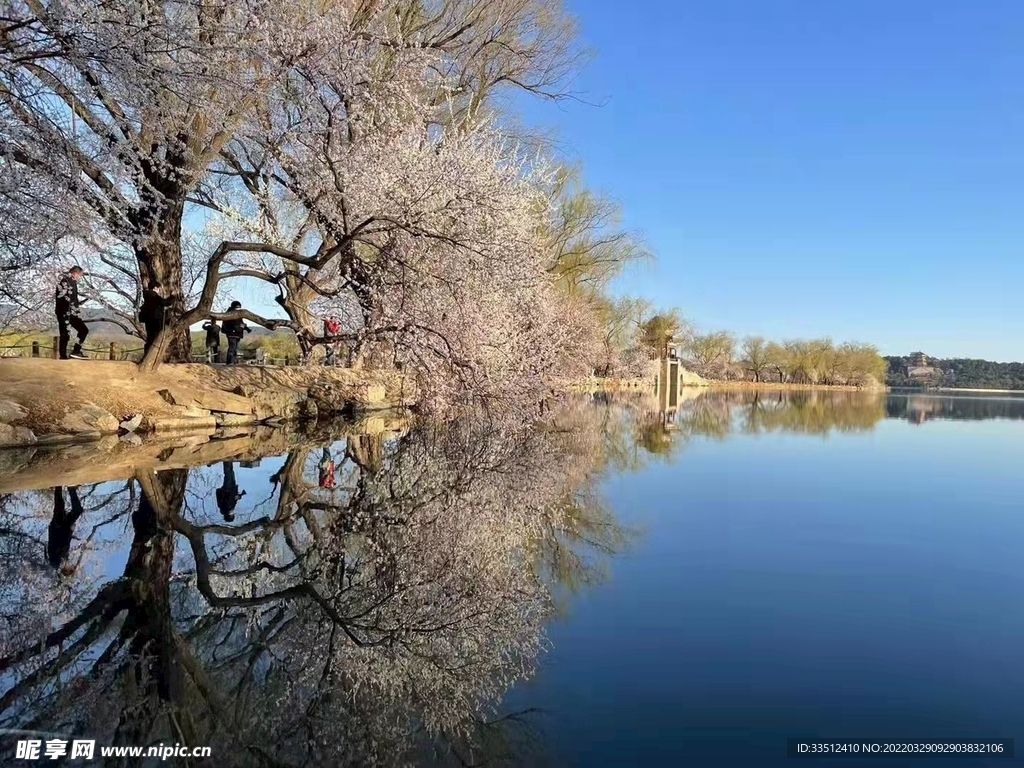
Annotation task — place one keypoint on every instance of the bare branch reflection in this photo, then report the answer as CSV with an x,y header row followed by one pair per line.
x,y
370,606
363,601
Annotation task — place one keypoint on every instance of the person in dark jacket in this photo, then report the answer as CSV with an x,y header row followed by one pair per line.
x,y
228,494
234,330
62,527
153,313
67,303
212,340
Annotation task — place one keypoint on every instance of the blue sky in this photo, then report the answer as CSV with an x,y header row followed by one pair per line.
x,y
815,168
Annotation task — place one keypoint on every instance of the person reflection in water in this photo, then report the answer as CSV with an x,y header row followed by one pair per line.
x,y
228,494
62,528
326,467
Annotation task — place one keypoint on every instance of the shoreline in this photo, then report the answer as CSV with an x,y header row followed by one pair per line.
x,y
60,402
109,458
695,382
961,389
763,385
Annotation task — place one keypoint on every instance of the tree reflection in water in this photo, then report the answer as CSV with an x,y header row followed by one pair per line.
x,y
367,606
718,414
920,408
359,621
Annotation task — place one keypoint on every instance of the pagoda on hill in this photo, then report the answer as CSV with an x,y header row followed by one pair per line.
x,y
919,369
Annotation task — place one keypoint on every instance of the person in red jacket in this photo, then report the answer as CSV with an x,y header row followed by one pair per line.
x,y
326,467
332,327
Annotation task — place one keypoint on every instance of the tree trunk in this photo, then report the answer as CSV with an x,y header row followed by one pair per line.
x,y
148,629
367,451
160,263
297,301
361,280
149,567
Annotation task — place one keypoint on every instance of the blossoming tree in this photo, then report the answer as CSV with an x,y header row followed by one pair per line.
x,y
348,154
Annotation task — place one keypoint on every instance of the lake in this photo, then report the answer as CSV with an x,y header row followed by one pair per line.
x,y
620,587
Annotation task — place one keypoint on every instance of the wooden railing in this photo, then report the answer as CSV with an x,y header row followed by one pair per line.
x,y
114,351
111,351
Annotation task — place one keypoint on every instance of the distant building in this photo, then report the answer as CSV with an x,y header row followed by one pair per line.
x,y
671,378
918,368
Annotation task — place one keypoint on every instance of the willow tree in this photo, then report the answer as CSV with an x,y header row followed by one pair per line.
x,y
758,356
587,245
711,353
621,353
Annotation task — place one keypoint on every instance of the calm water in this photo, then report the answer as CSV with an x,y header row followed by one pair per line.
x,y
625,587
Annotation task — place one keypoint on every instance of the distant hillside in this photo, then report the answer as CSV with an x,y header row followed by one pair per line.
x,y
100,328
254,330
105,329
957,372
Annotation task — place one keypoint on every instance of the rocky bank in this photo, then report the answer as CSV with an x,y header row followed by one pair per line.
x,y
112,458
46,402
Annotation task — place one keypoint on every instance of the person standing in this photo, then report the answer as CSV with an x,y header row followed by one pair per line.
x,y
212,340
332,327
234,330
153,313
326,467
67,303
62,528
228,494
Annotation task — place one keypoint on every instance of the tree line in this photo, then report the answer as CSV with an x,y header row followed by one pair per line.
x,y
636,334
804,361
960,372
